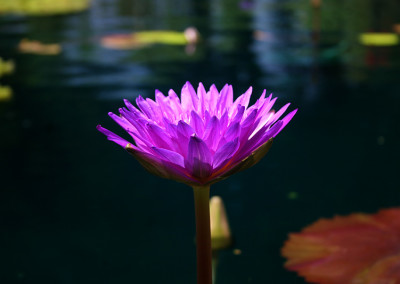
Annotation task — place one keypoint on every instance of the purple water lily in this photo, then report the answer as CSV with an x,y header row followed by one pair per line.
x,y
201,138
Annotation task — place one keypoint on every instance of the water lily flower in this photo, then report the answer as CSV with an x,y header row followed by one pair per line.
x,y
199,139
355,249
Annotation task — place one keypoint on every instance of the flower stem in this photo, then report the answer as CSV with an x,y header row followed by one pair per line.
x,y
203,234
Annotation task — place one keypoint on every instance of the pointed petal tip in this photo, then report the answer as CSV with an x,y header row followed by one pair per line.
x,y
187,84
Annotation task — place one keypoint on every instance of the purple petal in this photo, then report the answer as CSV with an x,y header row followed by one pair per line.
x,y
138,123
223,121
278,114
171,128
189,97
159,136
207,117
201,93
133,109
174,102
185,129
286,120
261,99
232,132
212,97
161,167
225,153
144,107
169,156
270,133
247,126
197,123
248,121
165,106
267,105
245,98
121,121
199,158
222,100
113,137
239,114
212,134
180,137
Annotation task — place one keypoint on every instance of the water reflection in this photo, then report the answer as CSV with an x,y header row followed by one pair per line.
x,y
6,67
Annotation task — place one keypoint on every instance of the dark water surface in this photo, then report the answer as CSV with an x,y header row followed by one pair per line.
x,y
75,208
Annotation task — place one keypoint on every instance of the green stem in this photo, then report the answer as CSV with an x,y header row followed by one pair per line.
x,y
203,234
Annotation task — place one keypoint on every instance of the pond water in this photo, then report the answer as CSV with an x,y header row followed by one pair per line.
x,y
75,208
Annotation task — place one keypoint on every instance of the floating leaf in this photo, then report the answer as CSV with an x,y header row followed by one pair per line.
x,y
146,38
357,249
42,7
379,39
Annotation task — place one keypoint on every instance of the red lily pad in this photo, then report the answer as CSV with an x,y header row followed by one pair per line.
x,y
355,249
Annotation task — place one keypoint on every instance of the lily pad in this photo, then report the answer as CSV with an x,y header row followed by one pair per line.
x,y
356,249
